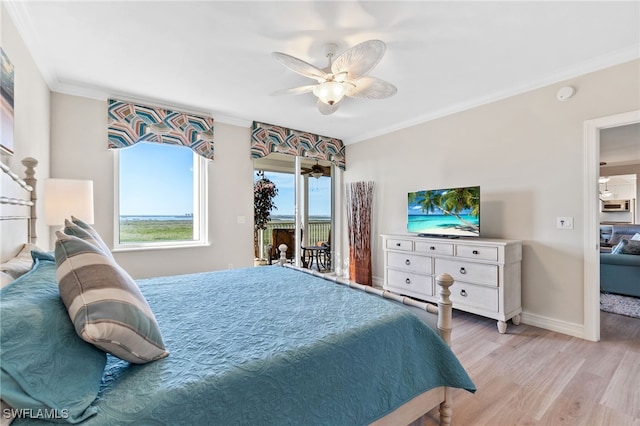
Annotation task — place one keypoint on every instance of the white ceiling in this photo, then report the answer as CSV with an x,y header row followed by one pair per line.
x,y
620,146
214,57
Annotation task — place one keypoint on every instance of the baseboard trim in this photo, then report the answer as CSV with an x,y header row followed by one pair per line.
x,y
564,327
552,324
377,281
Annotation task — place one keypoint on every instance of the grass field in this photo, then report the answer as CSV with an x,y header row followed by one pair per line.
x,y
144,231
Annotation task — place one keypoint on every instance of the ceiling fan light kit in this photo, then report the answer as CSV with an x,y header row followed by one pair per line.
x,y
331,92
317,171
346,76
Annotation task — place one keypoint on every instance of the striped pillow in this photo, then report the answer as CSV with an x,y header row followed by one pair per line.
x,y
104,303
99,241
76,230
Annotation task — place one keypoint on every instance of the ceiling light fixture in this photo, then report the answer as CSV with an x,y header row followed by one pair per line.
x,y
331,92
606,193
317,171
346,76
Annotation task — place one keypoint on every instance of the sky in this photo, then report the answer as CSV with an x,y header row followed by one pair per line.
x,y
319,194
153,178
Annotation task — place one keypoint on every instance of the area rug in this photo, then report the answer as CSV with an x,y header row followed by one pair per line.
x,y
623,305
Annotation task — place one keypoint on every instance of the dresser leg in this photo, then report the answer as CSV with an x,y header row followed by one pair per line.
x,y
502,327
516,320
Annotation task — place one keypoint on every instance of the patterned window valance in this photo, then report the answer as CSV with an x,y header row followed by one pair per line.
x,y
131,123
267,138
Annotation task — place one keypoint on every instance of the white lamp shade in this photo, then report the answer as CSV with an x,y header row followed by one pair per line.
x,y
330,92
64,198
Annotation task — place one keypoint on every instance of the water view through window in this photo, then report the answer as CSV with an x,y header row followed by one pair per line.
x,y
156,193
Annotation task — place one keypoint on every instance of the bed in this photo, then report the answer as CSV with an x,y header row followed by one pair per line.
x,y
263,346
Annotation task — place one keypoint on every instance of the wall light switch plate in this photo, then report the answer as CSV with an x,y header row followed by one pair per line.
x,y
564,222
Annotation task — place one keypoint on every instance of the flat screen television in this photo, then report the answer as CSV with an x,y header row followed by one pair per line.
x,y
452,212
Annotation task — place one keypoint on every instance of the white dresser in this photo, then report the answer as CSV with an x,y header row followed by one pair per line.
x,y
486,272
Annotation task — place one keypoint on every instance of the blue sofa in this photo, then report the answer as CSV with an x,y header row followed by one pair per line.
x,y
620,273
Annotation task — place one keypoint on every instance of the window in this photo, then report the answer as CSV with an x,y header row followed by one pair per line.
x,y
160,197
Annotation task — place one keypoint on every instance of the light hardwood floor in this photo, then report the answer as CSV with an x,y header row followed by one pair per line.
x,y
532,376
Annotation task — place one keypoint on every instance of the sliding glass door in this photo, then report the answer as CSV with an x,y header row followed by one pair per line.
x,y
306,206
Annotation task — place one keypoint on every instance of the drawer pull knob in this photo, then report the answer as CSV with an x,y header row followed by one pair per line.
x,y
432,248
463,271
475,252
407,262
398,244
408,281
463,293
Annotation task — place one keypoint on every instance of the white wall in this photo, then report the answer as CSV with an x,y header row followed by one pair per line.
x,y
79,151
31,113
526,154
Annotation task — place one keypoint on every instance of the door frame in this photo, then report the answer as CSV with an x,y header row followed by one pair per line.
x,y
591,216
291,164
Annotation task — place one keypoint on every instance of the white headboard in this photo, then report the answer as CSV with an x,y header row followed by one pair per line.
x,y
17,208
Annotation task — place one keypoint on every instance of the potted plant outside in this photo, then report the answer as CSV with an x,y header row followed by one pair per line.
x,y
264,192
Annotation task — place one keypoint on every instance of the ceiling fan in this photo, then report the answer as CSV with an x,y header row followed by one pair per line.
x,y
346,76
317,171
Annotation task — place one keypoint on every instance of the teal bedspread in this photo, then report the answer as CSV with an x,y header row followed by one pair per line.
x,y
273,346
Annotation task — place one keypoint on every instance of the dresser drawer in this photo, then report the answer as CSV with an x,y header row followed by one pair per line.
x,y
406,245
478,273
409,262
414,283
475,295
477,252
434,248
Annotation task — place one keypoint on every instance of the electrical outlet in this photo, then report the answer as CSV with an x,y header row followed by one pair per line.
x,y
564,222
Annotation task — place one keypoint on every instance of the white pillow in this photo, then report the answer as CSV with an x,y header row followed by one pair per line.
x,y
21,263
5,279
636,237
7,415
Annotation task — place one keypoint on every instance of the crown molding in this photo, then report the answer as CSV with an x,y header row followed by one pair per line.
x,y
605,61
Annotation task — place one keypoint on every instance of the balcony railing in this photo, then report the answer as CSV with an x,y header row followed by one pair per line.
x,y
318,230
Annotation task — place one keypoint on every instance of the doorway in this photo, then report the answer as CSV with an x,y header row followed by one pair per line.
x,y
304,208
591,213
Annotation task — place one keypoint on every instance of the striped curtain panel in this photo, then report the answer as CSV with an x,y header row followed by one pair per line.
x,y
131,123
268,138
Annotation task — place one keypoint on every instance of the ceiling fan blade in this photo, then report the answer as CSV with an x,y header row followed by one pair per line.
x,y
371,88
301,67
294,90
326,109
360,59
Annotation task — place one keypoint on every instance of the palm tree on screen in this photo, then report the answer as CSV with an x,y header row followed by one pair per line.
x,y
451,202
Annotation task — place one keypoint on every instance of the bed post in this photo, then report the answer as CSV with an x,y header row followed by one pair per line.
x,y
445,323
30,164
283,254
445,316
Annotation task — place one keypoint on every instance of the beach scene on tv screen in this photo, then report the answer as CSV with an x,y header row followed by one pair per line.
x,y
447,212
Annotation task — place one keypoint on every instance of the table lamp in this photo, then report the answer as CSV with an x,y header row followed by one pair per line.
x,y
66,197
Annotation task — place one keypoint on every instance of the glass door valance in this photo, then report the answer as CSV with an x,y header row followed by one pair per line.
x,y
268,138
131,123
